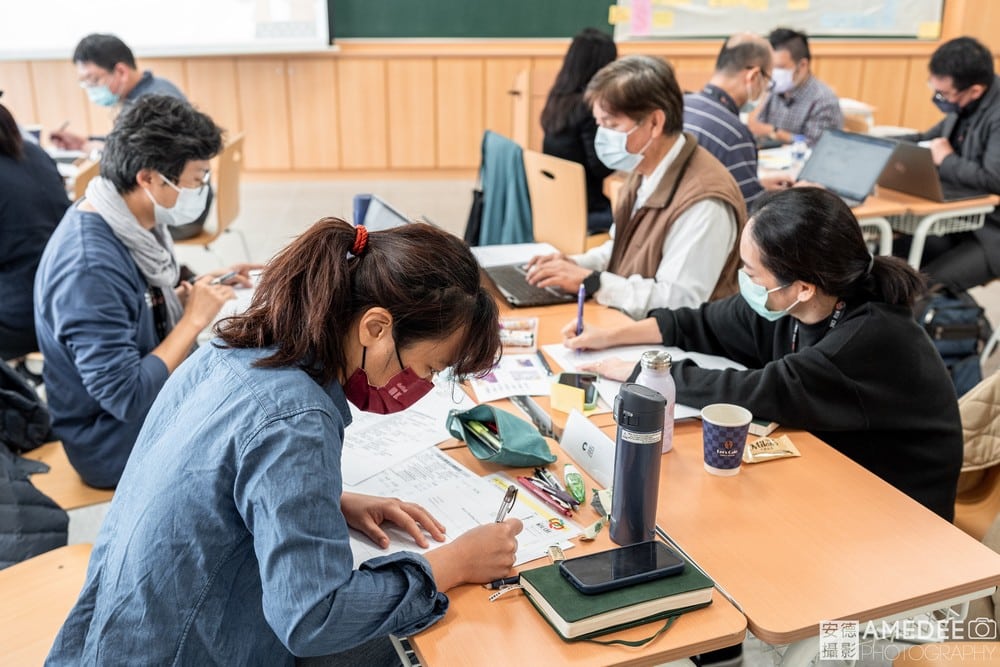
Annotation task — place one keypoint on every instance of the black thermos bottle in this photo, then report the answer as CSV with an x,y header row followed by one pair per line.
x,y
639,413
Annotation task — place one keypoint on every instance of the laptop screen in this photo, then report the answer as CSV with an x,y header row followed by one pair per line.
x,y
381,215
847,164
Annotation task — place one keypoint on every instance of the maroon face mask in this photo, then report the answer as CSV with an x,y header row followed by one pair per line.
x,y
401,391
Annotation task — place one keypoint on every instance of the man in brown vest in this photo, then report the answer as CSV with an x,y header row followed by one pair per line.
x,y
679,214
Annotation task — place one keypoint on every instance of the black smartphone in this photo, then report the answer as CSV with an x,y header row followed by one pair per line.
x,y
585,381
624,566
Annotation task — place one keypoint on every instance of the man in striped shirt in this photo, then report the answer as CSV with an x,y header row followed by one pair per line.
x,y
742,77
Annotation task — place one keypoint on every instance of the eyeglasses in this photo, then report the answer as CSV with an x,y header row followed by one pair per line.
x,y
945,97
767,77
205,180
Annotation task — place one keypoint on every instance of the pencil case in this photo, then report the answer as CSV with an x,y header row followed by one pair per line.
x,y
514,442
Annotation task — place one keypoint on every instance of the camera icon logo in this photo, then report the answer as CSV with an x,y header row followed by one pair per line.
x,y
982,627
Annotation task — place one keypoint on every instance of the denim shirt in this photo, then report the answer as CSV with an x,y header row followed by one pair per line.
x,y
225,542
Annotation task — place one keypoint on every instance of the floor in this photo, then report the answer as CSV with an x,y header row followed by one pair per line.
x,y
274,212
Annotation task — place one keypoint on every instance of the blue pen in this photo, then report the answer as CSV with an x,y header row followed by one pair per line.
x,y
581,296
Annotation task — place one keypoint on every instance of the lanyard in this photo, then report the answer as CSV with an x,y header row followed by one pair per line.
x,y
838,311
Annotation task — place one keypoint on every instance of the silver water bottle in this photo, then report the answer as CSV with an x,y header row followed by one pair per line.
x,y
639,413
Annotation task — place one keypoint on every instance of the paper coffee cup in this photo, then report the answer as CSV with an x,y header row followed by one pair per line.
x,y
724,435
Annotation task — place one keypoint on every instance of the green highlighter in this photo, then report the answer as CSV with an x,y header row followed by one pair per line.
x,y
574,483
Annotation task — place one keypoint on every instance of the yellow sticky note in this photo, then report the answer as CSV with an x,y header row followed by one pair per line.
x,y
798,5
663,19
757,5
566,398
617,14
929,30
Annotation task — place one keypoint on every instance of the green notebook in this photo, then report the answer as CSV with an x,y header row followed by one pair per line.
x,y
578,616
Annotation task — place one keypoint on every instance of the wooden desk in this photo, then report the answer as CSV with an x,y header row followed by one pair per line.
x,y
923,217
798,541
510,631
62,483
37,596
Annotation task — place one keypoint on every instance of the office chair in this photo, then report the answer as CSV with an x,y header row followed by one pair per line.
x,y
227,197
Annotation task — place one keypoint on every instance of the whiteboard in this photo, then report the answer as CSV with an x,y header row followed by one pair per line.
x,y
41,29
672,19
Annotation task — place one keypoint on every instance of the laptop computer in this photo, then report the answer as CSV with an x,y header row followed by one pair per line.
x,y
911,170
510,278
379,215
847,164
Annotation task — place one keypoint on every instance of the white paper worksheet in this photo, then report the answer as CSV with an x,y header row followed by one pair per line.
x,y
460,500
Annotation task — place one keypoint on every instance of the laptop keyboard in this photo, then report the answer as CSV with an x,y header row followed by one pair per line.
x,y
512,280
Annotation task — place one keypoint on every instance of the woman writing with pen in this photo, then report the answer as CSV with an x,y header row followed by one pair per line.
x,y
830,345
227,541
112,317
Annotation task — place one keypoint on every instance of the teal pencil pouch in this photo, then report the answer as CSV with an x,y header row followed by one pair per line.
x,y
497,436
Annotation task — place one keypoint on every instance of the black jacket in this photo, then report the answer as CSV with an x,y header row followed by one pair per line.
x,y
873,387
977,169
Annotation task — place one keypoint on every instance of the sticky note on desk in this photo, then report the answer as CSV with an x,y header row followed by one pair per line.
x,y
566,398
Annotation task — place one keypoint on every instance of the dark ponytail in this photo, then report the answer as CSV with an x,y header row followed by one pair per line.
x,y
314,290
810,234
11,142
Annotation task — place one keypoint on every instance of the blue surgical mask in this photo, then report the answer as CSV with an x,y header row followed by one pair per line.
x,y
190,204
782,79
944,105
610,148
101,95
756,297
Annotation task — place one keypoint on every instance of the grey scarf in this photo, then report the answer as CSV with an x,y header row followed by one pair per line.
x,y
151,250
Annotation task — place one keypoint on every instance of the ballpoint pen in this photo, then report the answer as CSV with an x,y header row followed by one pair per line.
x,y
545,498
223,278
507,503
581,296
561,498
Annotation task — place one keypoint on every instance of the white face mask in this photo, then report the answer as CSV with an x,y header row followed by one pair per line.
x,y
190,204
610,146
783,80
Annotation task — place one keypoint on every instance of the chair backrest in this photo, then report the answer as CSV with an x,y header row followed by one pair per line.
x,y
558,191
84,175
227,186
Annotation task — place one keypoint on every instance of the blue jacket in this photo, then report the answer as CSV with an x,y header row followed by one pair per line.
x,y
225,543
32,202
96,331
506,207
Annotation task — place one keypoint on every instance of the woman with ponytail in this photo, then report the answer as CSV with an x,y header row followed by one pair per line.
x,y
227,541
830,345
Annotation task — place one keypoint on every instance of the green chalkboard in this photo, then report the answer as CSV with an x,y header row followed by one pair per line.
x,y
465,18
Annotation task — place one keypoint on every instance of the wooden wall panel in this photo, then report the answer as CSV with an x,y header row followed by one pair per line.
x,y
315,130
460,112
263,95
58,96
361,93
212,88
841,73
18,97
411,107
883,86
692,73
918,111
498,102
543,74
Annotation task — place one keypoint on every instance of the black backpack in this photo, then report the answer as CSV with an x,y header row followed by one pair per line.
x,y
959,329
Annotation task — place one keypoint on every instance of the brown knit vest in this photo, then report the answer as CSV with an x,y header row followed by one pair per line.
x,y
693,176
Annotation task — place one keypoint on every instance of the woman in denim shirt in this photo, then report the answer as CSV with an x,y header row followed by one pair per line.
x,y
227,540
